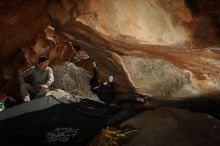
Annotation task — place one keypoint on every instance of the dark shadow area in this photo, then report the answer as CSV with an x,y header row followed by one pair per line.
x,y
209,104
70,121
48,121
193,6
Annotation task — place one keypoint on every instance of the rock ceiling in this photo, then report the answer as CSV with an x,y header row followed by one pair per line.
x,y
157,47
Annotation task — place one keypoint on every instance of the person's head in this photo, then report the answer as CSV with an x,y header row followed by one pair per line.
x,y
110,79
43,62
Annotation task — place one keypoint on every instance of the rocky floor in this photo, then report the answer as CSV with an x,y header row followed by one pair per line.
x,y
188,122
167,126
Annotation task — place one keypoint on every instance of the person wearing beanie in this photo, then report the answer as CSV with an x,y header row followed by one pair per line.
x,y
107,91
42,76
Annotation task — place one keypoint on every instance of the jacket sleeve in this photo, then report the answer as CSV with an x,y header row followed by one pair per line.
x,y
94,81
95,73
113,86
50,77
26,73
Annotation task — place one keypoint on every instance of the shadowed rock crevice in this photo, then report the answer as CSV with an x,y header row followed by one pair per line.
x,y
208,104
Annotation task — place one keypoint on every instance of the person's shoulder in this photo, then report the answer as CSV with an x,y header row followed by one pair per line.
x,y
32,67
49,68
35,68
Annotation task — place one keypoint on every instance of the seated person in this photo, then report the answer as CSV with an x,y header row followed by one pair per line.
x,y
107,93
42,79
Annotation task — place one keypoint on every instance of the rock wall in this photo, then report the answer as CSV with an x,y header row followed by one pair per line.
x,y
72,79
153,47
24,36
145,21
156,47
20,21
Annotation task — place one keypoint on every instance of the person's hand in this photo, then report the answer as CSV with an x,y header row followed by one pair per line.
x,y
110,79
94,64
44,88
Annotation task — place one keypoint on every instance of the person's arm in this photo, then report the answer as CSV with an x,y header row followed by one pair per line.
x,y
26,73
95,72
112,86
94,81
50,77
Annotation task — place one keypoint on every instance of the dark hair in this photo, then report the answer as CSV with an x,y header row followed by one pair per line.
x,y
42,59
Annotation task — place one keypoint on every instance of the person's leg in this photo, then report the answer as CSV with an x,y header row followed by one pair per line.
x,y
143,99
25,88
129,97
41,93
119,97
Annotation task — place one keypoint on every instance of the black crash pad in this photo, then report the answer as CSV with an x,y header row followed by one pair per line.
x,y
48,121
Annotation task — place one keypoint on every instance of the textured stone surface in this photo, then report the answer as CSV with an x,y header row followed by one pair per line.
x,y
182,37
73,80
171,127
49,43
150,74
20,21
145,21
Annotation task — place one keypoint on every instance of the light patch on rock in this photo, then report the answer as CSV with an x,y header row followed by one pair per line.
x,y
155,76
187,90
213,83
145,21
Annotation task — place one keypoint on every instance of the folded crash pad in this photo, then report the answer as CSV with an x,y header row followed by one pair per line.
x,y
49,121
